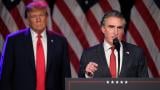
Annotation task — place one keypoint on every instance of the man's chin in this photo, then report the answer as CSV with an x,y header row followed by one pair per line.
x,y
39,30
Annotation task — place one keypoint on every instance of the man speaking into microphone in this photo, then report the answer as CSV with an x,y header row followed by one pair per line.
x,y
113,58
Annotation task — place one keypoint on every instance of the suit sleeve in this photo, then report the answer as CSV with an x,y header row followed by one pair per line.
x,y
83,59
7,65
66,62
66,71
142,66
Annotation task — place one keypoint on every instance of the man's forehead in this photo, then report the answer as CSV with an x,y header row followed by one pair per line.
x,y
113,17
38,9
114,20
34,11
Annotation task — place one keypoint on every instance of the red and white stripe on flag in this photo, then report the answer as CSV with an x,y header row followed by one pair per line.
x,y
144,30
82,29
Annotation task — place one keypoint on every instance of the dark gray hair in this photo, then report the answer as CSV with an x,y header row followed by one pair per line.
x,y
112,13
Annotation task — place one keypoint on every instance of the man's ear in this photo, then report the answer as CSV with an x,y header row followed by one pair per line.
x,y
26,19
103,29
27,22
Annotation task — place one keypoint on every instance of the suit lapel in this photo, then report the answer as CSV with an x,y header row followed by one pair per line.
x,y
125,58
29,49
103,61
50,48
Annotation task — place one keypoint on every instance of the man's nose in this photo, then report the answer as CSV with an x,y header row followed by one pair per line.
x,y
116,31
38,19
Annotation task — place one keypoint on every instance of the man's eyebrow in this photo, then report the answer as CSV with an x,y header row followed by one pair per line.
x,y
115,26
111,26
120,27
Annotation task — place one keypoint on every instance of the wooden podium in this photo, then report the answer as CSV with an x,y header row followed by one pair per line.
x,y
112,84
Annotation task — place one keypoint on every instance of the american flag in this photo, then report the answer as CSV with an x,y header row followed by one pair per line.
x,y
79,22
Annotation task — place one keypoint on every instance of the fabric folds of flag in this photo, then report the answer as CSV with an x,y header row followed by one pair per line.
x,y
78,21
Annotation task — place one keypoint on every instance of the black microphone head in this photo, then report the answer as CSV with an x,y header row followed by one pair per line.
x,y
116,44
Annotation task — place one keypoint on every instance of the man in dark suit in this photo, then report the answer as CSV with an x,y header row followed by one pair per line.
x,y
103,59
35,58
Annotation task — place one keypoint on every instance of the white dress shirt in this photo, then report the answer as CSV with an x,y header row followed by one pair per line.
x,y
107,50
44,43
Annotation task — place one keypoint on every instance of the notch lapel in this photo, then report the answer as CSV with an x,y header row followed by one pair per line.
x,y
29,49
50,48
103,61
125,59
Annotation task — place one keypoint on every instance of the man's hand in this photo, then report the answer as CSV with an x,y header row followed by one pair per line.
x,y
91,68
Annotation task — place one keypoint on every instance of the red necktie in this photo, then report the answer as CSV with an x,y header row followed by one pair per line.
x,y
113,63
40,65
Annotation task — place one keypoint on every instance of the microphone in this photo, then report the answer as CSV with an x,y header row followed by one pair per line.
x,y
117,47
116,44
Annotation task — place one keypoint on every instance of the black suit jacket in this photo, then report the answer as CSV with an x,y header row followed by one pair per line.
x,y
19,71
133,64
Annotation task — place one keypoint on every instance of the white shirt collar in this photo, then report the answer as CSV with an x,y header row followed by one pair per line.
x,y
107,46
34,34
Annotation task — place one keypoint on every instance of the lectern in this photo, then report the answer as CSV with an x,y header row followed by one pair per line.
x,y
112,84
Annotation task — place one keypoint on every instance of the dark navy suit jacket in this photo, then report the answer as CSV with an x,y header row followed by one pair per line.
x,y
133,64
19,73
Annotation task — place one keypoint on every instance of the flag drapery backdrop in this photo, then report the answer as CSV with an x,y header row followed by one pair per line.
x,y
78,21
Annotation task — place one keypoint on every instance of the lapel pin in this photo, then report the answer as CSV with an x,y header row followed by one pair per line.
x,y
127,52
51,41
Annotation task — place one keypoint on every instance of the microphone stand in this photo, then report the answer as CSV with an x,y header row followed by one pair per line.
x,y
117,47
